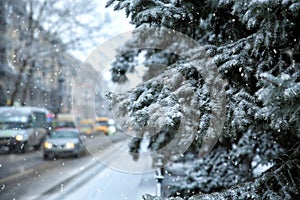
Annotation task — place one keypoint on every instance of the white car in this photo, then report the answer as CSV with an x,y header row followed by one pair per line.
x,y
22,128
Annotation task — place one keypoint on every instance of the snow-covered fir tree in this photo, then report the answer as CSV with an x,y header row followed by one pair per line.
x,y
255,46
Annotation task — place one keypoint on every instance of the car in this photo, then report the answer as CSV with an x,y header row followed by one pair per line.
x,y
64,120
111,127
64,124
22,128
86,127
105,125
63,142
101,125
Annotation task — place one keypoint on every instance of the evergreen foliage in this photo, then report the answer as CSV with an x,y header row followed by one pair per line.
x,y
256,48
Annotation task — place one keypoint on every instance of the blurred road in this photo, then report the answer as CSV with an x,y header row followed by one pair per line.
x,y
27,176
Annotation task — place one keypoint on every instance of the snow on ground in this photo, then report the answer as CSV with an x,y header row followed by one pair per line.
x,y
102,182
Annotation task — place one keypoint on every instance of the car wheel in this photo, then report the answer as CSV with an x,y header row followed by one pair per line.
x,y
12,148
37,147
21,147
46,156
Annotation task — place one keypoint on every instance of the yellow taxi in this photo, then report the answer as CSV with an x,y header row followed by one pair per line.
x,y
86,126
101,125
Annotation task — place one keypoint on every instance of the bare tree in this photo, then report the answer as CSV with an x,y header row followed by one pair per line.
x,y
3,47
43,29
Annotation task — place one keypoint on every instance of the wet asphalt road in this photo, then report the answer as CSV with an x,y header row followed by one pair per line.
x,y
28,176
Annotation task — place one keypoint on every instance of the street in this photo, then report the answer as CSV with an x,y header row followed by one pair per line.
x,y
28,176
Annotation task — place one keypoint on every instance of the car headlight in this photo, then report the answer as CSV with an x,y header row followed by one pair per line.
x,y
19,137
70,145
112,129
47,145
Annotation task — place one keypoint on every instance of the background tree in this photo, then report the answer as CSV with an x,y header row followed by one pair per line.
x,y
42,32
3,49
3,59
255,45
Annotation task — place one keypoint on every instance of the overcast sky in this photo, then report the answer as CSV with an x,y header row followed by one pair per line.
x,y
116,23
101,53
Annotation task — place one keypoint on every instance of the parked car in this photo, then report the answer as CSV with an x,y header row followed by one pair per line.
x,y
63,142
22,128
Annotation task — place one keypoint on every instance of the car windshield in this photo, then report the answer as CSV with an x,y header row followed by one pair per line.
x,y
13,125
13,120
64,134
13,116
86,125
102,123
65,124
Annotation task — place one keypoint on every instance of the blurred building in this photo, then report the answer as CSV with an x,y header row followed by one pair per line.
x,y
84,93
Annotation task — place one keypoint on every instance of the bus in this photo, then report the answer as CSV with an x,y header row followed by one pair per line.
x,y
23,127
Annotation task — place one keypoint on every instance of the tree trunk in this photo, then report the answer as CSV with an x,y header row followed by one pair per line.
x,y
18,83
25,62
3,58
3,27
27,89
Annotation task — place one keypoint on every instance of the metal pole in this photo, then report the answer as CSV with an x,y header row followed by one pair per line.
x,y
159,175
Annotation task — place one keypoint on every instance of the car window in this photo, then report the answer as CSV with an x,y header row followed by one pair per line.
x,y
39,119
13,125
102,123
65,124
86,125
64,134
